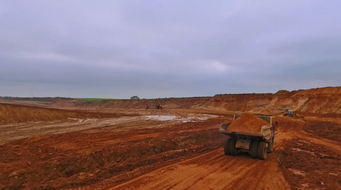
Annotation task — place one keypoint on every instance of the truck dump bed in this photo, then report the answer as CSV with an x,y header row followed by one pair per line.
x,y
249,133
248,125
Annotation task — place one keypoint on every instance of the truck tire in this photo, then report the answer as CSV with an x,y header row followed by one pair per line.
x,y
271,145
226,147
253,149
270,148
229,148
262,150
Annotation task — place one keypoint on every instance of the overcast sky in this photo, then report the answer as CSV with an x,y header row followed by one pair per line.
x,y
167,48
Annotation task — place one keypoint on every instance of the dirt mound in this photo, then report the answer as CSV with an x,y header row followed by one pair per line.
x,y
247,123
282,92
318,101
19,113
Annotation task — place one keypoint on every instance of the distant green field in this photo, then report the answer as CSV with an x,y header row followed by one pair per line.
x,y
96,99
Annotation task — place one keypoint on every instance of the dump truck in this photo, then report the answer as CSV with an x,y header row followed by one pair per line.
x,y
257,138
291,113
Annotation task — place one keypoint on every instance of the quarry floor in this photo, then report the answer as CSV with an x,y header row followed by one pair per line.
x,y
168,149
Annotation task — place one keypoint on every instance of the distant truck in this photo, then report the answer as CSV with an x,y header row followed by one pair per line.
x,y
291,113
257,144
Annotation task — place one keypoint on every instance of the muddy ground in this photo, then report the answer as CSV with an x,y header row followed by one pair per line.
x,y
11,113
138,152
308,165
100,149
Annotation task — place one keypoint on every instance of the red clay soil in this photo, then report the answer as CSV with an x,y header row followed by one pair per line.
x,y
325,129
312,101
91,156
247,123
214,170
310,166
128,155
18,113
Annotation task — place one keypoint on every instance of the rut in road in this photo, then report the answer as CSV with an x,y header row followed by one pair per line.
x,y
213,170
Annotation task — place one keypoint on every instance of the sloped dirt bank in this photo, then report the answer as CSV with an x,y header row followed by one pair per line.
x,y
324,129
19,113
322,101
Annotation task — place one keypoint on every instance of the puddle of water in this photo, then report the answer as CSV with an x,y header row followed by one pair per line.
x,y
178,118
161,117
194,118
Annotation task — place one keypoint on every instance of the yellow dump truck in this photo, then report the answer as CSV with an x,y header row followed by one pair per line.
x,y
254,134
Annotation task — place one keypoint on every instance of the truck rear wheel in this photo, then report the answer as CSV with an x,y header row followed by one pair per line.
x,y
262,150
253,149
270,148
271,145
226,152
229,148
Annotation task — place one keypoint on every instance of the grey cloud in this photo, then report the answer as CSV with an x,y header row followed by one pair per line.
x,y
83,48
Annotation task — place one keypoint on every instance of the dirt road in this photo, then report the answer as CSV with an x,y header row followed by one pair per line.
x,y
156,153
214,170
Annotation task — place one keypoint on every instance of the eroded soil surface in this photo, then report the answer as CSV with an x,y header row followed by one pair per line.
x,y
310,166
325,129
164,152
93,151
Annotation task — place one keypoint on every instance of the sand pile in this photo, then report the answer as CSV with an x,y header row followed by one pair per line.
x,y
247,123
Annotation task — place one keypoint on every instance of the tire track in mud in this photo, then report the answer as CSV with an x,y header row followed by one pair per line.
x,y
213,170
329,144
11,132
210,170
87,158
